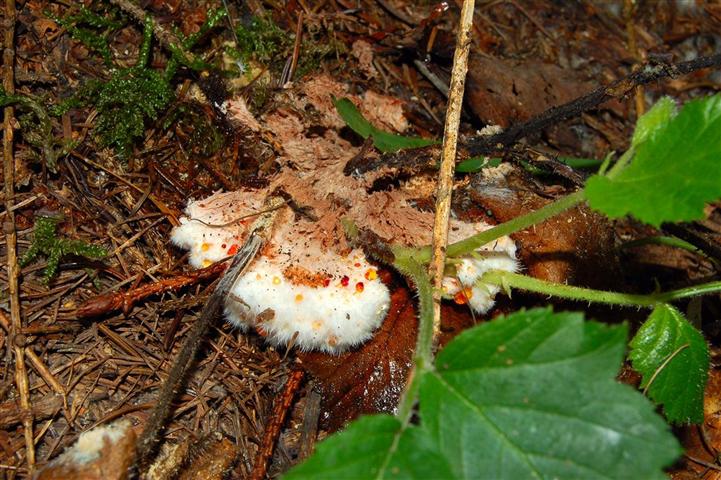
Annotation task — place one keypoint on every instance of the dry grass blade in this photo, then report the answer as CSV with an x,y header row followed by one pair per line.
x,y
444,189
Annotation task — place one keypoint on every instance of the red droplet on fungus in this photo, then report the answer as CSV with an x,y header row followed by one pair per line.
x,y
345,280
359,287
233,249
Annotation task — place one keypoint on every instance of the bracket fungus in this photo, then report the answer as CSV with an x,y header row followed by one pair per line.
x,y
307,286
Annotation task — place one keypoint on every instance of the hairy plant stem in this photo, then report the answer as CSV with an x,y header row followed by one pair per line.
x,y
523,282
464,247
423,358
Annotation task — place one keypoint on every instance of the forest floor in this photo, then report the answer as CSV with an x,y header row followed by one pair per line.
x,y
115,167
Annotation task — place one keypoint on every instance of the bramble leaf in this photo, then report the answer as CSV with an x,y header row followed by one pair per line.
x,y
374,446
382,140
673,358
531,395
675,170
653,121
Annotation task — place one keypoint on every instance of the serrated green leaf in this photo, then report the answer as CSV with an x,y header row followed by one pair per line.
x,y
653,121
382,140
673,358
374,447
532,395
676,169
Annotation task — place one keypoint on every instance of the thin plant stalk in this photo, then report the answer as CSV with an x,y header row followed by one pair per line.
x,y
509,280
444,189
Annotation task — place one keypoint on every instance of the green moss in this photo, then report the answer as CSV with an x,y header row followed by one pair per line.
x,y
36,126
93,40
126,103
46,242
179,53
261,40
136,96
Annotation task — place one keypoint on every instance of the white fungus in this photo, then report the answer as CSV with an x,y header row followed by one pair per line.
x,y
295,292
90,444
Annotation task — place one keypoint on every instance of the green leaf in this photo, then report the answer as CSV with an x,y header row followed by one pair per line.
x,y
477,164
374,447
383,141
531,395
652,121
676,168
581,163
673,358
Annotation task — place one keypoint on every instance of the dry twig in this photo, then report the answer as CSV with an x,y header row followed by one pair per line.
x,y
16,339
109,302
444,189
647,74
272,430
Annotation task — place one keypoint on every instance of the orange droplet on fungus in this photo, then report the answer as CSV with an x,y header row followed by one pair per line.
x,y
371,274
462,297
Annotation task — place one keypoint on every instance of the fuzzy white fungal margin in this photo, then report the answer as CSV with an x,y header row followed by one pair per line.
x,y
465,286
293,292
89,444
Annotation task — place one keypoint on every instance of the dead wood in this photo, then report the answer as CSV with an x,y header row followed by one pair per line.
x,y
110,302
273,427
619,89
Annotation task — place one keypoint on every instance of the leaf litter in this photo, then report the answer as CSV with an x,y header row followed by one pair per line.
x,y
108,368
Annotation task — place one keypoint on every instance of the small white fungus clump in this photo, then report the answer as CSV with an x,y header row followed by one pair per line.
x,y
465,286
293,292
296,292
90,444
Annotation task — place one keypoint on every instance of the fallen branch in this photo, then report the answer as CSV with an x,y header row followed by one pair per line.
x,y
272,430
110,302
647,74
